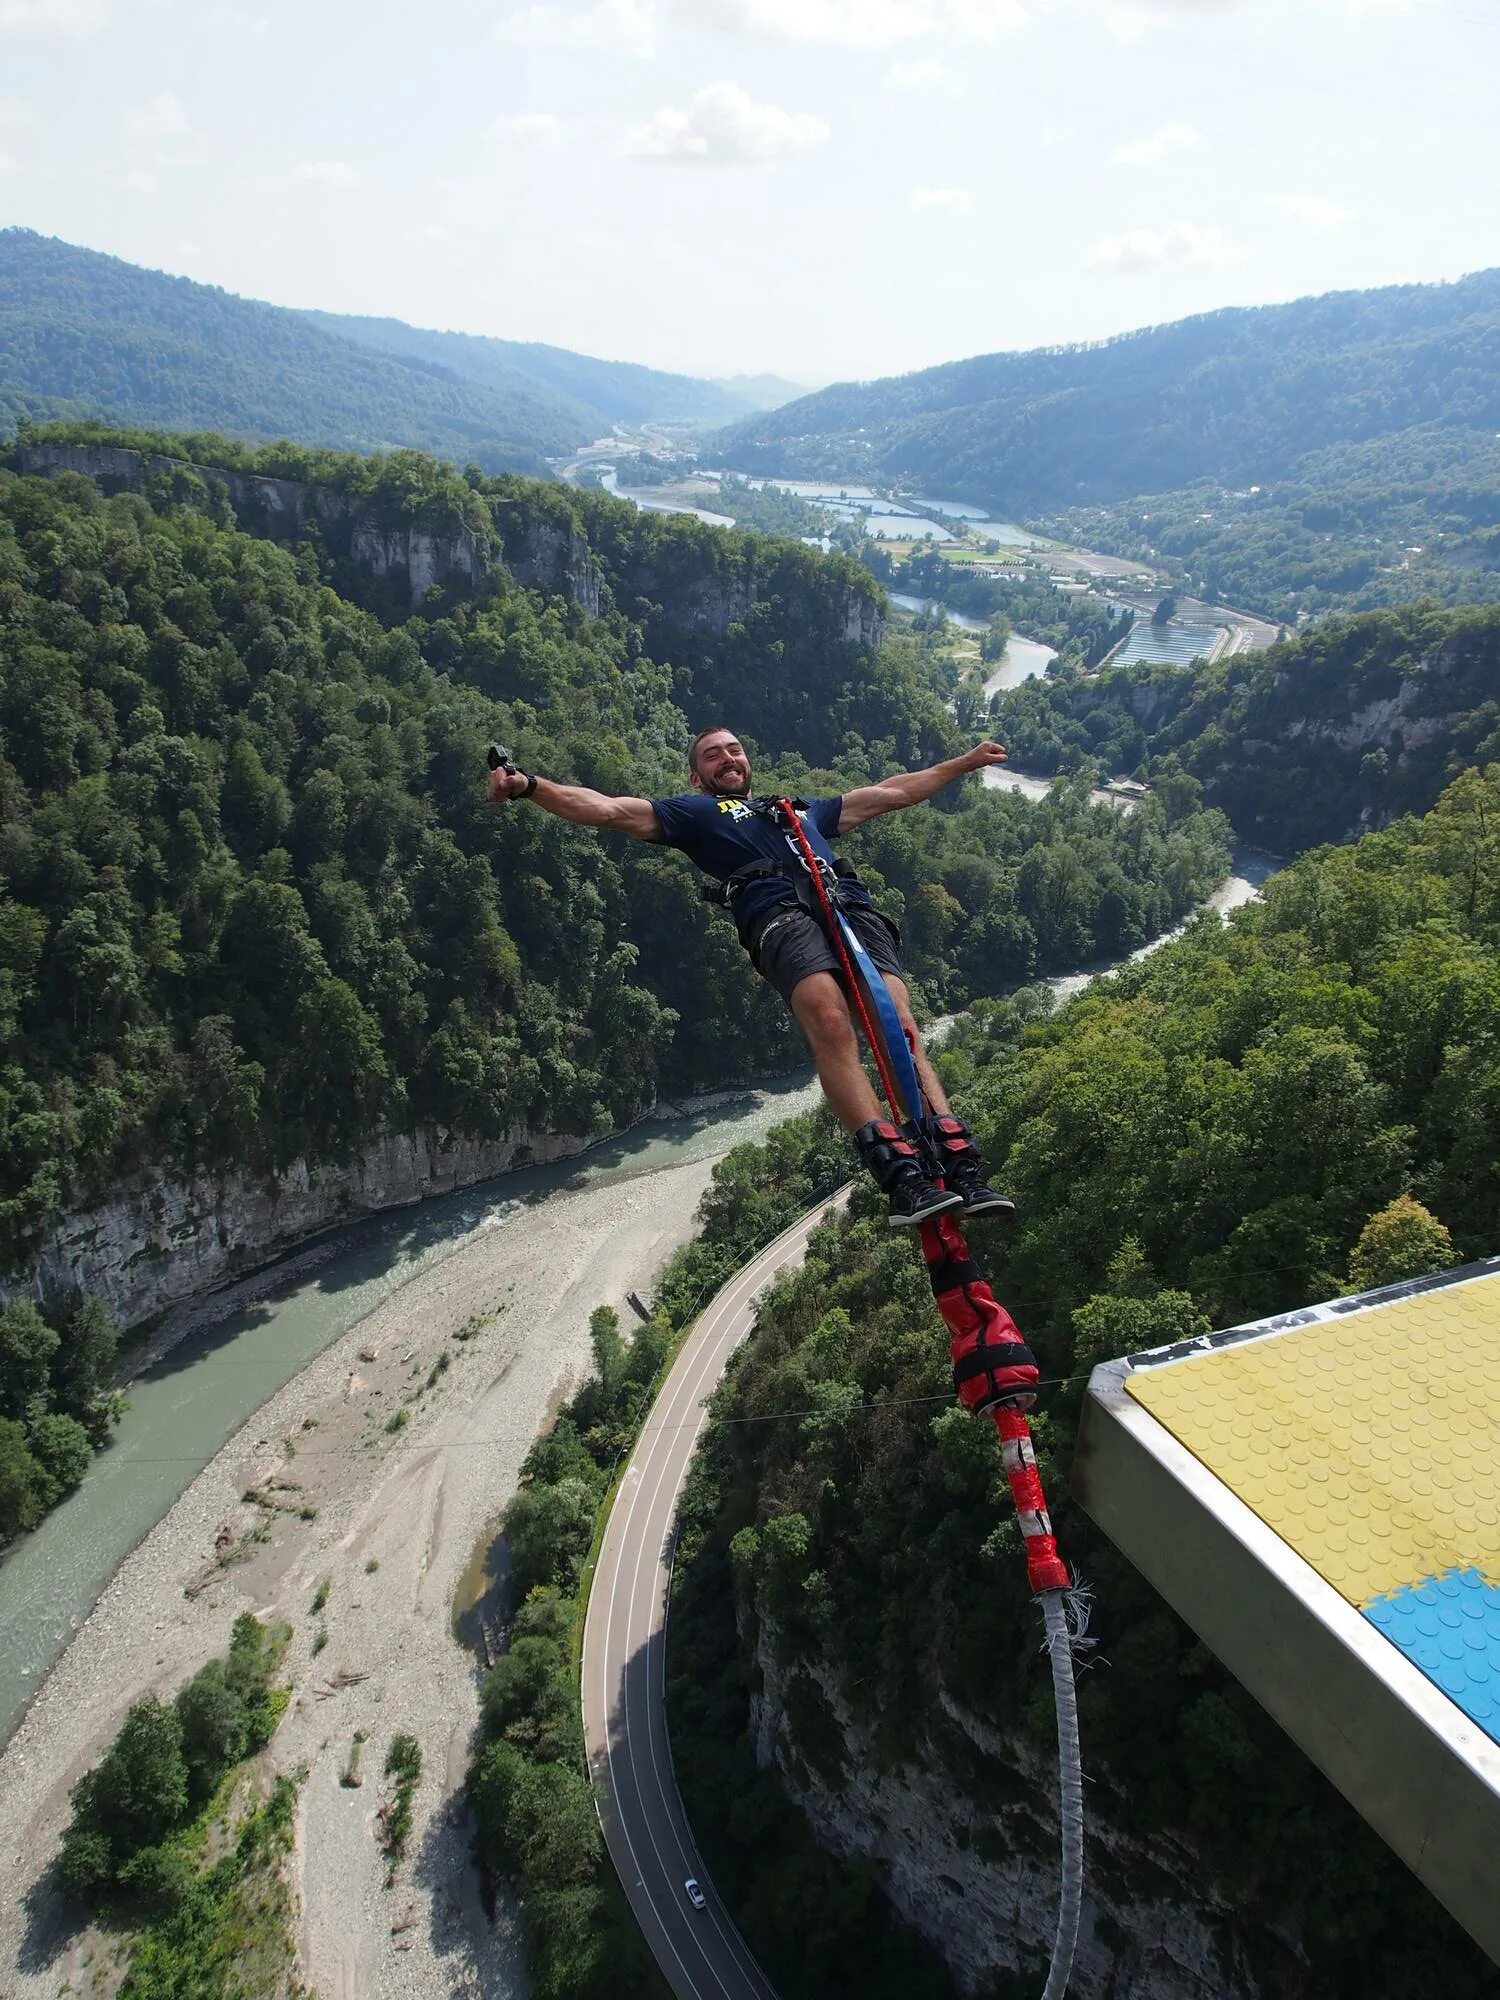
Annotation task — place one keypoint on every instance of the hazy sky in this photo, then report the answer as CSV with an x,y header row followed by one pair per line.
x,y
825,188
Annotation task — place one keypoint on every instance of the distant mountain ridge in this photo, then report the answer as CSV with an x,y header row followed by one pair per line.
x,y
604,392
1237,396
84,333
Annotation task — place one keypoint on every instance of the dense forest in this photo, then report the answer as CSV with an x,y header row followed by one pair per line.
x,y
252,906
1358,720
82,334
57,1403
1262,1114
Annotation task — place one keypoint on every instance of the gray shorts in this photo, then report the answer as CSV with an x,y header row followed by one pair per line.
x,y
792,943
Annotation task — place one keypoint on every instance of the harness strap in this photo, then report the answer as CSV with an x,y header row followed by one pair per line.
x,y
884,1046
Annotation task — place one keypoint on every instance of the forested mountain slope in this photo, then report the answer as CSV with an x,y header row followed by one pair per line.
x,y
1238,397
104,337
616,392
1356,526
251,906
1225,1130
1354,722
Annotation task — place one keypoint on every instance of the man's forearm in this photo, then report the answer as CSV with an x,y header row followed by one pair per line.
x,y
912,787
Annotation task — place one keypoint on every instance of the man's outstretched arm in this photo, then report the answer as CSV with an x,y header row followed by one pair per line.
x,y
637,817
912,787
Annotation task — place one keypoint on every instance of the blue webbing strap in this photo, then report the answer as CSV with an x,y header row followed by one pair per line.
x,y
897,1048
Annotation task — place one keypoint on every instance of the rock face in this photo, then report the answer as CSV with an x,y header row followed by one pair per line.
x,y
286,510
558,561
163,1240
544,548
965,1844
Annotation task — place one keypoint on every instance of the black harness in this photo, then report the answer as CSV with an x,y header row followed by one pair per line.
x,y
793,870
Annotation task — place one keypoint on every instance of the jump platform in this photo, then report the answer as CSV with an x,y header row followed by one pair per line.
x,y
1318,1496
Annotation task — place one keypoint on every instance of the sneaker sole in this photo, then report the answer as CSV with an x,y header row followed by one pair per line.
x,y
1000,1207
938,1208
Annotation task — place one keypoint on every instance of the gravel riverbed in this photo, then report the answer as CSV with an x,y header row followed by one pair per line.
x,y
390,1519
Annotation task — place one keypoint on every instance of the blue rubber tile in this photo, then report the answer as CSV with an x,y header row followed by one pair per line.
x,y
1449,1626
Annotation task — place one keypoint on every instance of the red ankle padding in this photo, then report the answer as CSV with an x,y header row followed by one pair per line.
x,y
991,1363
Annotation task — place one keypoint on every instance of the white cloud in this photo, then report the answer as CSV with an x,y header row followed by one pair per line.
x,y
940,197
138,181
62,17
15,116
723,127
857,24
864,24
852,24
1129,24
1314,211
8,163
923,75
982,20
1181,246
1129,20
1173,137
254,25
628,24
543,125
327,173
162,118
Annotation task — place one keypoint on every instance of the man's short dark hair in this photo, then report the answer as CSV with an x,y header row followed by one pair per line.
x,y
714,729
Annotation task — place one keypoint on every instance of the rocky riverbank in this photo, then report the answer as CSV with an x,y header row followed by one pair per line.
x,y
327,1482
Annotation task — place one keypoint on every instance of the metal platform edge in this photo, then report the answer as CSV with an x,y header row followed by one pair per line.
x,y
1424,1776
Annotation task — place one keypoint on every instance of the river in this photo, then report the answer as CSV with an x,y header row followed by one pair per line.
x,y
183,1410
1021,661
648,503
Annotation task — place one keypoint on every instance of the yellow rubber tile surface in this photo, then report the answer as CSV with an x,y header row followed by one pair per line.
x,y
1370,1443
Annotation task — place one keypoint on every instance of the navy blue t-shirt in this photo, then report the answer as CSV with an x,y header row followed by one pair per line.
x,y
721,835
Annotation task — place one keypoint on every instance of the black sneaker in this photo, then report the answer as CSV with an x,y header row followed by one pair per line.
x,y
978,1199
894,1161
915,1199
961,1166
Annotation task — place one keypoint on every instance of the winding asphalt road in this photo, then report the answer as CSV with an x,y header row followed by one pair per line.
x,y
701,1954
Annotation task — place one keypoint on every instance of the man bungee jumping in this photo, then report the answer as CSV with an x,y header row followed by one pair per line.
x,y
738,841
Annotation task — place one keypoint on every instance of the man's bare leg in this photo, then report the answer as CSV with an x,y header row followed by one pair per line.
x,y
823,1014
818,1003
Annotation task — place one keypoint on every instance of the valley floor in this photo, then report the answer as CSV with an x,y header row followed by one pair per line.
x,y
398,1515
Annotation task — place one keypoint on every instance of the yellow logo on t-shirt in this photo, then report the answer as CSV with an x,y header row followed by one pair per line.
x,y
736,809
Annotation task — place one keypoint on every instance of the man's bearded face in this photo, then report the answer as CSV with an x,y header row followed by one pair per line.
x,y
721,768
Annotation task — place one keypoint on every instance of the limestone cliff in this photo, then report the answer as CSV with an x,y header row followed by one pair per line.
x,y
1342,730
414,556
964,1840
539,540
163,1239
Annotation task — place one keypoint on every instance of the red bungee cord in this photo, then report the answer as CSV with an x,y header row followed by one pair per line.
x,y
995,1375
